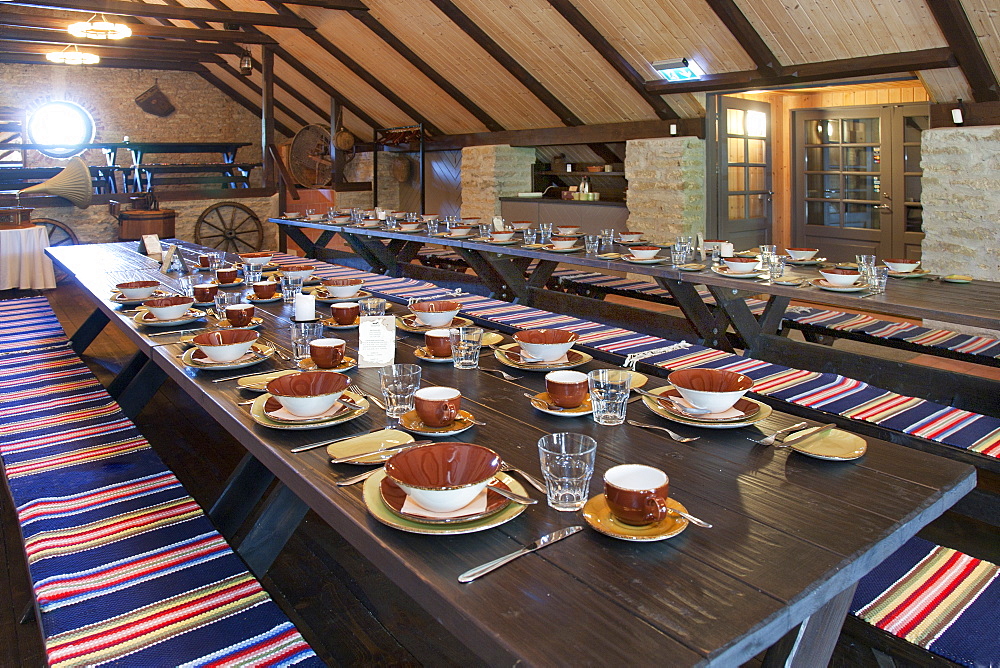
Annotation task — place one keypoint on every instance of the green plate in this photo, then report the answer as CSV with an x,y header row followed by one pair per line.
x,y
381,512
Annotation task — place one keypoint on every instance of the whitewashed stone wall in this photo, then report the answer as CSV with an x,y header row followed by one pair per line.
x,y
492,172
666,186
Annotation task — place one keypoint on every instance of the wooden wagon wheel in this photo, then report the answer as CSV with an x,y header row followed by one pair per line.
x,y
229,226
60,234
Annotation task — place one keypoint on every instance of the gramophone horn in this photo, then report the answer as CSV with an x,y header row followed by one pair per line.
x,y
73,183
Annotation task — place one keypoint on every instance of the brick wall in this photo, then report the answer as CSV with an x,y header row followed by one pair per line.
x,y
492,172
666,186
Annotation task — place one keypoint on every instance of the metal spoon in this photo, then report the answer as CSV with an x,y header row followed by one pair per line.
x,y
690,518
358,478
551,407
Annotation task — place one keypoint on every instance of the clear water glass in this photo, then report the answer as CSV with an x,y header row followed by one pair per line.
x,y
399,382
866,264
609,390
608,237
877,280
716,256
252,273
216,260
567,462
678,254
301,334
592,242
187,284
372,306
530,235
486,230
331,213
290,286
776,267
465,345
545,231
224,299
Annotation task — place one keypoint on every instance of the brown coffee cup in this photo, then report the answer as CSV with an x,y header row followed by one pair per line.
x,y
566,389
205,261
437,406
327,353
205,292
240,315
345,313
636,494
438,342
224,276
265,289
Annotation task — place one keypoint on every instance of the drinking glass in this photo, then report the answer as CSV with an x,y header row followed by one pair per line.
x,y
310,212
216,260
608,237
877,280
465,345
609,389
372,306
302,333
866,263
399,382
776,268
716,256
290,286
224,299
530,235
486,230
592,243
545,230
567,462
678,254
187,284
252,273
331,213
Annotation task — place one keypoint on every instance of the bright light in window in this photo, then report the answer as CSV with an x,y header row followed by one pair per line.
x,y
62,124
756,124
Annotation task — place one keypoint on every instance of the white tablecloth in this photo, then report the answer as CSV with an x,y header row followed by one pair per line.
x,y
23,263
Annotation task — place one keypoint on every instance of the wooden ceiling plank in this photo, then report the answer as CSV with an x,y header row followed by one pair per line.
x,y
241,99
748,37
25,20
575,18
123,8
497,52
394,42
316,36
926,59
256,88
17,34
954,24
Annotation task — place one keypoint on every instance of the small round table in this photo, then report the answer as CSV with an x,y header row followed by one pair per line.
x,y
23,263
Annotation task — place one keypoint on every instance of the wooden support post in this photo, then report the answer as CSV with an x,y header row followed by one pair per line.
x,y
337,158
267,115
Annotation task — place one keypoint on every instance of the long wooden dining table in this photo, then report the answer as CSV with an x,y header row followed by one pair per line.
x,y
792,534
519,273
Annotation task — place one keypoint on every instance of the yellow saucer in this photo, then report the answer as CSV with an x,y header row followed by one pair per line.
x,y
598,515
836,446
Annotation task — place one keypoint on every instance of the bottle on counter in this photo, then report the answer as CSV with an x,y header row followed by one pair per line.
x,y
585,184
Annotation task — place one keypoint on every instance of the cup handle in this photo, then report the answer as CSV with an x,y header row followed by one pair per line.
x,y
448,413
658,506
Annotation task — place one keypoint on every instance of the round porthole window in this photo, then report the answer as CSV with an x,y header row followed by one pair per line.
x,y
62,125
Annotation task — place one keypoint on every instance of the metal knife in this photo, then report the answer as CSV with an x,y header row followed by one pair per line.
x,y
548,539
179,332
312,446
822,431
393,450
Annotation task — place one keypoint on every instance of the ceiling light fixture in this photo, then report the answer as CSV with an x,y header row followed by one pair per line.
x,y
246,63
72,57
102,29
678,69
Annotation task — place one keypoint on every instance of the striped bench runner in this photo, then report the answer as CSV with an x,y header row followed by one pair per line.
x,y
124,565
937,598
827,392
815,318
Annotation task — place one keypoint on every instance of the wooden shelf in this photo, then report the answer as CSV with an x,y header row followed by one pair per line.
x,y
581,173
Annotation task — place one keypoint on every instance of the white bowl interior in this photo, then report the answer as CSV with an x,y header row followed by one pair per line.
x,y
138,293
546,352
308,406
444,500
298,274
436,319
227,353
716,402
169,312
343,291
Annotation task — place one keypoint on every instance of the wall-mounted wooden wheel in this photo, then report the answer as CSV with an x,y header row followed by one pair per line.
x,y
229,226
60,234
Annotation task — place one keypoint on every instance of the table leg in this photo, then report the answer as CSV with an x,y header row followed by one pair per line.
x,y
88,331
244,490
711,327
512,286
733,303
127,374
282,514
812,642
301,240
134,396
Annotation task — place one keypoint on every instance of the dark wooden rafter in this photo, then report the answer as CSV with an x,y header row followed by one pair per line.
x,y
118,63
249,83
109,51
352,5
30,20
469,27
316,36
604,153
123,8
411,57
865,66
31,35
575,18
751,41
241,99
961,37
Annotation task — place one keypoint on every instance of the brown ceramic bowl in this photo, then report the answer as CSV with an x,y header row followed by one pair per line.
x,y
257,259
841,277
168,308
302,271
308,393
545,345
716,390
741,265
901,265
226,345
343,287
443,477
138,289
436,313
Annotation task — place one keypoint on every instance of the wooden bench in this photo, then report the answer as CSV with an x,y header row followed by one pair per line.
x,y
219,174
19,178
124,565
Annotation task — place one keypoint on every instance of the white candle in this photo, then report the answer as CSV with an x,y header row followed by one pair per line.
x,y
726,249
305,307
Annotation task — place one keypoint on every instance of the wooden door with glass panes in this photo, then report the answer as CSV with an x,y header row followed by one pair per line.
x,y
857,181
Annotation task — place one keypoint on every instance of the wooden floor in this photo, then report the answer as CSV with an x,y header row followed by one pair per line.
x,y
350,612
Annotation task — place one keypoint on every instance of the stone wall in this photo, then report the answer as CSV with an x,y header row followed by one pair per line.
x,y
492,172
666,186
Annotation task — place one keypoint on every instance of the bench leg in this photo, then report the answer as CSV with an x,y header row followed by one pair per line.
x,y
244,490
28,615
127,374
88,331
282,514
134,397
812,642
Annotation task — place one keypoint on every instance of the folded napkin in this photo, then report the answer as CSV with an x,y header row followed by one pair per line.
x,y
724,415
528,359
284,414
476,507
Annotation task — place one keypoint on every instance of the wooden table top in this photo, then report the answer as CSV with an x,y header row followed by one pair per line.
x,y
976,304
790,532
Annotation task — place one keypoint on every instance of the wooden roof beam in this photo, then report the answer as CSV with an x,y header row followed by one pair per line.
x,y
252,85
241,99
123,8
351,5
575,18
602,133
394,42
31,35
954,23
316,36
515,69
751,41
831,70
109,51
24,20
121,63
